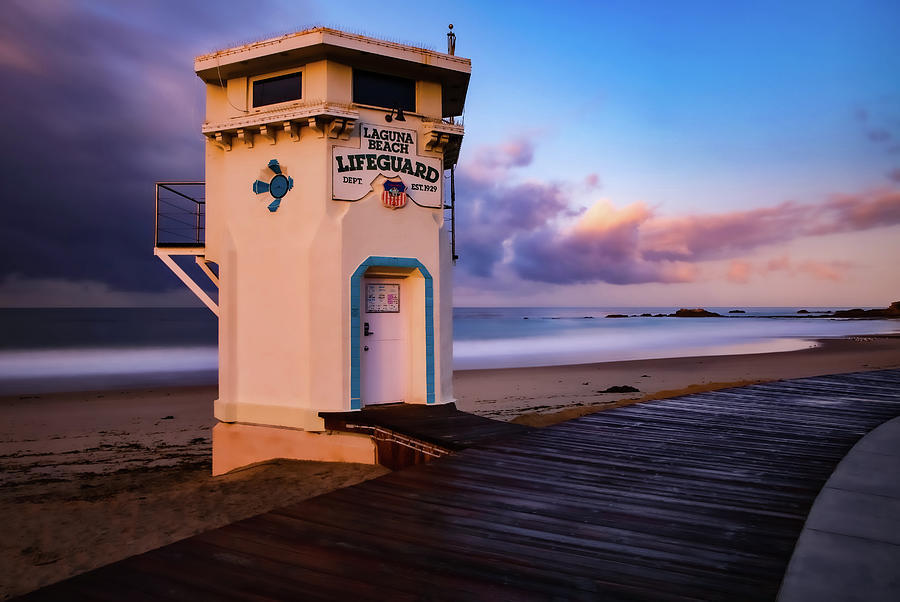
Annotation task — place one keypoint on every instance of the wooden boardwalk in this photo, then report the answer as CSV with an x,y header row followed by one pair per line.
x,y
700,497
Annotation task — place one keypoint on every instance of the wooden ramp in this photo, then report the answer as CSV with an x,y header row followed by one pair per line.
x,y
695,498
408,434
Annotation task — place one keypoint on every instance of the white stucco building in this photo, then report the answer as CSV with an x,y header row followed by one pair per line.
x,y
325,217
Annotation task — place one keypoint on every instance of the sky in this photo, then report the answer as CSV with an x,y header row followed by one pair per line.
x,y
616,153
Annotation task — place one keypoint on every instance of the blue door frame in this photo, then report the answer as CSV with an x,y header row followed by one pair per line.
x,y
355,304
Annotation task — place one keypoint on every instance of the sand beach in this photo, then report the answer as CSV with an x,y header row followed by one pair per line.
x,y
89,478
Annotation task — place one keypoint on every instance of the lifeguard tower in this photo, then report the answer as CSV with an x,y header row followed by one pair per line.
x,y
325,228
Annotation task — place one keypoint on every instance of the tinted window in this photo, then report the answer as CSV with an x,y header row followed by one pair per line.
x,y
381,90
276,89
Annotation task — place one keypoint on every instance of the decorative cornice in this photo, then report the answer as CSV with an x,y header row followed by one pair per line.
x,y
326,118
443,137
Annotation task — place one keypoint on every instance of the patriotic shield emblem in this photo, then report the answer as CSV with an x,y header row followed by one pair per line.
x,y
394,195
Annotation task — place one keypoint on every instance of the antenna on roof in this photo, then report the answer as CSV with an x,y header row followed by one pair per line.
x,y
451,41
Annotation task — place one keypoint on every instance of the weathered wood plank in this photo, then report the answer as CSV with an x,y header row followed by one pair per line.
x,y
696,498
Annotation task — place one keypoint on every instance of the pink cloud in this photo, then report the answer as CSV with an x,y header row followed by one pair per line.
x,y
631,244
780,263
739,271
592,182
721,236
604,244
831,270
847,213
527,226
698,237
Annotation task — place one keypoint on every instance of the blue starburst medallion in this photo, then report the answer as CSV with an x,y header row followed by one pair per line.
x,y
278,186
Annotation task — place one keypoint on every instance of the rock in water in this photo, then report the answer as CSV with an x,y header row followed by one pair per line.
x,y
698,312
892,311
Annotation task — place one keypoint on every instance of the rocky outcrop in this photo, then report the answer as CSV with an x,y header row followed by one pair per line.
x,y
737,311
617,316
698,312
892,311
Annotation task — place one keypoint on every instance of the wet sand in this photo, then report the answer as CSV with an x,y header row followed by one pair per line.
x,y
91,478
547,395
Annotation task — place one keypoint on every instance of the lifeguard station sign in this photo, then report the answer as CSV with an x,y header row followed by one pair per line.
x,y
389,152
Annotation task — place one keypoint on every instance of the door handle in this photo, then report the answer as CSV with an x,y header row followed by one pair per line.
x,y
366,331
365,347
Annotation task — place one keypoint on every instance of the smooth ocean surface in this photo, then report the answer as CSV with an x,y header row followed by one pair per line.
x,y
44,350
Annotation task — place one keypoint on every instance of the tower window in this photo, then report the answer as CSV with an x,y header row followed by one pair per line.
x,y
382,90
273,90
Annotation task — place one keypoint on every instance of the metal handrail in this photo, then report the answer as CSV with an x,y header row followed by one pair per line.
x,y
183,223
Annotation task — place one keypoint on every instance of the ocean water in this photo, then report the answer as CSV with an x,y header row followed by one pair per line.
x,y
43,350
77,349
547,336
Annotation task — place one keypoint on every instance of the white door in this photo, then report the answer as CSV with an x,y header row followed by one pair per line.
x,y
384,342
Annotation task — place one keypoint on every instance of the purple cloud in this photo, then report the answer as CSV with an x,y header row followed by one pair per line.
x,y
495,209
528,227
604,245
726,235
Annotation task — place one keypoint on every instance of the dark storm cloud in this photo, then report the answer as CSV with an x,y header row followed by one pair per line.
x,y
100,101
